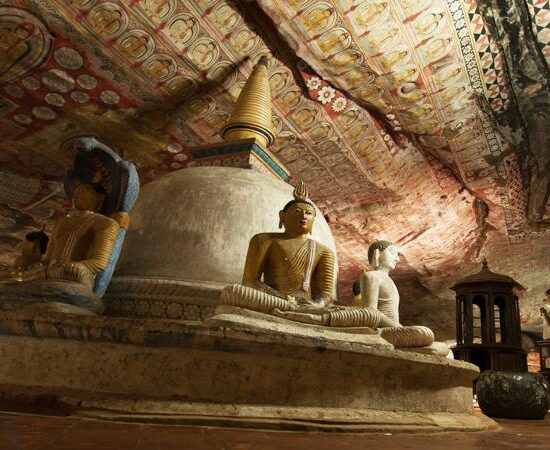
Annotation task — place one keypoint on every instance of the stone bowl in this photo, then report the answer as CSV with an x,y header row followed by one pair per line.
x,y
513,395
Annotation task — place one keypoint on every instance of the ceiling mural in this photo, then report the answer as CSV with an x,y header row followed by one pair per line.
x,y
399,115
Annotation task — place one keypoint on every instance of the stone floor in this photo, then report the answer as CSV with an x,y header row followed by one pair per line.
x,y
24,431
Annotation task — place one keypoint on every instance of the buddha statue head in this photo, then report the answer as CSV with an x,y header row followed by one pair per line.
x,y
383,255
298,215
87,197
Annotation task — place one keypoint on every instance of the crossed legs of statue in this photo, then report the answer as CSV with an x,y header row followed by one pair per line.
x,y
333,316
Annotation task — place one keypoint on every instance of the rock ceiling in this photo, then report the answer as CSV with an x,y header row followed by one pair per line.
x,y
418,121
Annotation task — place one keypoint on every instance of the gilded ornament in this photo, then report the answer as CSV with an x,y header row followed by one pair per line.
x,y
107,20
251,116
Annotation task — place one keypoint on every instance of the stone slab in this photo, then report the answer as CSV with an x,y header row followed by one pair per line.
x,y
102,357
245,319
181,412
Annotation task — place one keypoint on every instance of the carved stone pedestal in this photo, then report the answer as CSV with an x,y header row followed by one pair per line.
x,y
177,372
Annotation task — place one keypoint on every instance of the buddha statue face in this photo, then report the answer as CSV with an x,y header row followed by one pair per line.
x,y
389,258
86,198
383,255
297,218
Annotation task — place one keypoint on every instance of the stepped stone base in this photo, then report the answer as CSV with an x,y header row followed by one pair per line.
x,y
177,372
247,320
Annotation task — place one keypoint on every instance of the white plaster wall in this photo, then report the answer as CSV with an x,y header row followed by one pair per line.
x,y
195,224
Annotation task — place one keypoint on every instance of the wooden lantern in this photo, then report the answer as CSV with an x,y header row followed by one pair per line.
x,y
488,332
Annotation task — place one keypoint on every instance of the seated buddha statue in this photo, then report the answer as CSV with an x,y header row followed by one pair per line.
x,y
290,275
78,248
80,244
70,270
286,271
379,291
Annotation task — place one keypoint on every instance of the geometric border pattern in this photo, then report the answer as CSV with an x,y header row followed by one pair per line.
x,y
475,69
485,66
540,14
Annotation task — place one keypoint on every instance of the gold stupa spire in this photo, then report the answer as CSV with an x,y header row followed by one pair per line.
x,y
251,117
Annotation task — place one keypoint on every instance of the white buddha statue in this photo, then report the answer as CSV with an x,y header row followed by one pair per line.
x,y
378,291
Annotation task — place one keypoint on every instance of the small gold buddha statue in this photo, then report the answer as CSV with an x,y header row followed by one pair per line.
x,y
81,243
79,247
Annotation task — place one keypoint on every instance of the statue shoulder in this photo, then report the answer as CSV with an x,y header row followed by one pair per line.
x,y
372,275
263,238
102,221
323,249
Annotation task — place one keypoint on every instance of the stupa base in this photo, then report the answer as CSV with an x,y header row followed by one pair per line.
x,y
177,372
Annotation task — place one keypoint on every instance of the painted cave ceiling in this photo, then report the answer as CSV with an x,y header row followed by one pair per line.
x,y
423,122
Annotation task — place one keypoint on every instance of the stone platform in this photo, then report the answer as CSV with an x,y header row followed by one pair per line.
x,y
177,372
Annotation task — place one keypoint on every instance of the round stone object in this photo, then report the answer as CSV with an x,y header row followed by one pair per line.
x,y
513,395
195,224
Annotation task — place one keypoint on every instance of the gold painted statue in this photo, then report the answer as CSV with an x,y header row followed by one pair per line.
x,y
289,275
289,270
78,249
70,271
80,244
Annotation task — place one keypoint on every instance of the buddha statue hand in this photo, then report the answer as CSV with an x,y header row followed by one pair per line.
x,y
74,271
322,301
250,298
306,314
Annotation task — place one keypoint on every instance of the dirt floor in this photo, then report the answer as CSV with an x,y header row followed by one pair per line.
x,y
26,431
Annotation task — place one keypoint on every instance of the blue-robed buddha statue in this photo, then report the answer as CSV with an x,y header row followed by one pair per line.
x,y
80,254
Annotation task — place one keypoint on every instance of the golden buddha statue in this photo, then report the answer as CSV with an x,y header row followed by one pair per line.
x,y
80,244
78,249
292,276
284,271
70,271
